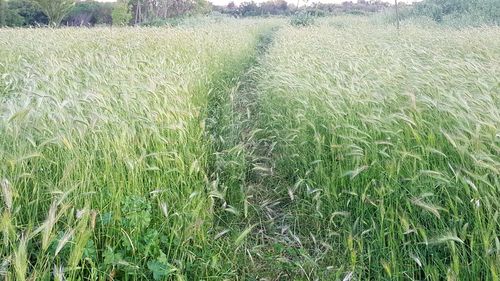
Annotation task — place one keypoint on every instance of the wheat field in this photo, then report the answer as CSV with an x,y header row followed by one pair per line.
x,y
250,150
386,147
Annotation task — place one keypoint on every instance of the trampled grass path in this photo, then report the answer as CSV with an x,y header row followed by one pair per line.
x,y
253,208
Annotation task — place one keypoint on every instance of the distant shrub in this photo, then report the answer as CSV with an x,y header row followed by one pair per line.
x,y
3,12
121,14
315,12
302,19
157,22
22,13
90,13
337,24
453,12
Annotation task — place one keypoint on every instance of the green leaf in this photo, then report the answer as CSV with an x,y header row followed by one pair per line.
x,y
112,258
161,268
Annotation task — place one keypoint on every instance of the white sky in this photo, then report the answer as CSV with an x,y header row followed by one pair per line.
x,y
225,2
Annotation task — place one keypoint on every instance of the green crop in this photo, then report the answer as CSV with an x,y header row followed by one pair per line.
x,y
386,150
103,149
250,150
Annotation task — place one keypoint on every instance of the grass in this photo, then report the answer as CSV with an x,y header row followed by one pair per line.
x,y
386,150
235,151
104,153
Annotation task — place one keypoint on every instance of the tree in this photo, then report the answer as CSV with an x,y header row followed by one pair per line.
x,y
30,12
3,12
249,9
55,10
121,13
89,13
274,7
201,7
21,13
397,13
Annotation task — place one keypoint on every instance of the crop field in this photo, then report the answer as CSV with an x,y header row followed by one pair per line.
x,y
387,147
250,150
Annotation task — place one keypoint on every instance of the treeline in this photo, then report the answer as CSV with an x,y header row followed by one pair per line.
x,y
16,13
21,13
281,7
463,11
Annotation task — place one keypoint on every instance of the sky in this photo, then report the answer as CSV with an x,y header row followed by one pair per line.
x,y
225,2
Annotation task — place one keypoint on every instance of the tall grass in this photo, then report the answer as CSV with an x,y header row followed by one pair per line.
x,y
453,13
224,151
386,151
104,153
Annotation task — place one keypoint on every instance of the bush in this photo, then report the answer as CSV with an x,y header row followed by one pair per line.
x,y
315,12
3,12
157,22
121,14
459,12
90,13
23,13
302,19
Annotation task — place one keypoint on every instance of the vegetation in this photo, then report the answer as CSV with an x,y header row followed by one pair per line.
x,y
302,19
384,152
458,13
90,13
3,13
160,10
23,13
121,13
104,154
485,11
249,149
280,7
55,10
